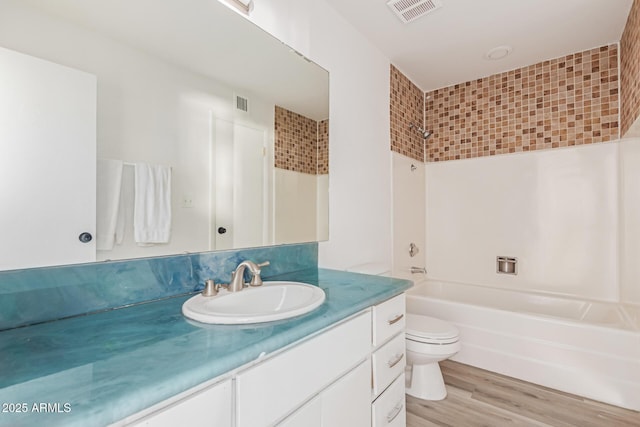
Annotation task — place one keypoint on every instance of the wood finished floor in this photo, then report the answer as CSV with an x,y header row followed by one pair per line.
x,y
481,398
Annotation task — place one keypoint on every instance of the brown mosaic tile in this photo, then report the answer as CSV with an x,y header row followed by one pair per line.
x,y
406,106
630,69
566,101
323,147
301,144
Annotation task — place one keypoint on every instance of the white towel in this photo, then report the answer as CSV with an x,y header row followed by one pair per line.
x,y
152,206
125,212
109,181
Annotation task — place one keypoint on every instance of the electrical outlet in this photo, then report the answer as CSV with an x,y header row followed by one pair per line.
x,y
187,202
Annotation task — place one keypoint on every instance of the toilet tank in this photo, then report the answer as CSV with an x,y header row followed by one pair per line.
x,y
373,268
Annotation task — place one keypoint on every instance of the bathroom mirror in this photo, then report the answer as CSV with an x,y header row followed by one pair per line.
x,y
239,120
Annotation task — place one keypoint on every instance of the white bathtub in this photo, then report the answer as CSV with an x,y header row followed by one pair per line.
x,y
588,348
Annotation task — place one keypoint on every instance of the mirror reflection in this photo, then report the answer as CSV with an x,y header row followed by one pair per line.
x,y
142,128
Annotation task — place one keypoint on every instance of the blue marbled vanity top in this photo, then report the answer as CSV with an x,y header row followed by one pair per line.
x,y
103,367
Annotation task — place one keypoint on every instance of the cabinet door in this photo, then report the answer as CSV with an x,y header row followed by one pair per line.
x,y
346,403
210,407
310,415
275,387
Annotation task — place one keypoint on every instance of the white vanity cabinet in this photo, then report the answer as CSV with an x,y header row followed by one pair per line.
x,y
350,375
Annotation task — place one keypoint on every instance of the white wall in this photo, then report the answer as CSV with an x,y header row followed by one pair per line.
x,y
322,213
359,165
556,211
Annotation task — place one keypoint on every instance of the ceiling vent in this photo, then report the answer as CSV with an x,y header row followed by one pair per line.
x,y
242,103
410,10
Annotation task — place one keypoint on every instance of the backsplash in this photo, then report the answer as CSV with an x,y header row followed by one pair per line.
x,y
42,294
630,69
301,144
406,106
572,100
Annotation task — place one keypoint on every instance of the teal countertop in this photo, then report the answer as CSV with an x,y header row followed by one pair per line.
x,y
100,368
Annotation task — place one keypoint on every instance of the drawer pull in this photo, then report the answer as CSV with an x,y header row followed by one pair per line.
x,y
395,319
395,412
395,360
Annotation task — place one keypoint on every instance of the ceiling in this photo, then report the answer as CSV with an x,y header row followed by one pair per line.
x,y
447,46
207,38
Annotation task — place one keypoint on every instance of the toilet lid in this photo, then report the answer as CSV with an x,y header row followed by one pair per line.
x,y
424,328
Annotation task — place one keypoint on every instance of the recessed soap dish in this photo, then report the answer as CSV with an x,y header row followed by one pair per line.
x,y
507,265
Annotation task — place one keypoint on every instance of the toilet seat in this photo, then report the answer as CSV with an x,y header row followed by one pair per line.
x,y
430,330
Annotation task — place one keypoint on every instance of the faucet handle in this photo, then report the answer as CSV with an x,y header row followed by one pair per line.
x,y
256,280
210,288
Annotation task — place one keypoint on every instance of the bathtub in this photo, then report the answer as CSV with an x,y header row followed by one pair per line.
x,y
588,348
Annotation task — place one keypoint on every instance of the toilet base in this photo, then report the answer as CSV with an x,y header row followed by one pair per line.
x,y
426,382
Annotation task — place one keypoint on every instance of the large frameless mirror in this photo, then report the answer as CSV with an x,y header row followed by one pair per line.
x,y
137,128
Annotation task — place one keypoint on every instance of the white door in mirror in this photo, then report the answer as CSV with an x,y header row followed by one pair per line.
x,y
269,302
48,163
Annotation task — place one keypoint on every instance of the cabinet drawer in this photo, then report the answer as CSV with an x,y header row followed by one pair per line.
x,y
388,362
388,319
389,409
269,391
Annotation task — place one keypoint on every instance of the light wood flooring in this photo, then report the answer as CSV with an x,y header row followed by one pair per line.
x,y
481,398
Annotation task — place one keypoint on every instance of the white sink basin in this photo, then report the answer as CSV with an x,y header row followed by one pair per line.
x,y
266,303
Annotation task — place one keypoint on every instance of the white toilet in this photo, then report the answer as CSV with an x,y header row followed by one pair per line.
x,y
428,342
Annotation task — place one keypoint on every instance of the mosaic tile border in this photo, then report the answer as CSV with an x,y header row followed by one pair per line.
x,y
572,100
406,106
301,144
630,69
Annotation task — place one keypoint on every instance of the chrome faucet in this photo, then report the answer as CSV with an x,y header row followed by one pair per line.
x,y
237,277
416,270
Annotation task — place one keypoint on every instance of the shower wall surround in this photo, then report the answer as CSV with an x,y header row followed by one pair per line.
x,y
555,210
41,294
572,100
566,214
630,70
